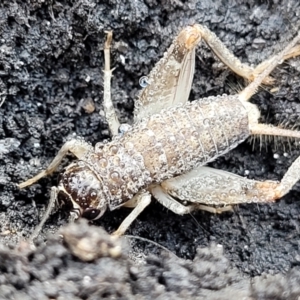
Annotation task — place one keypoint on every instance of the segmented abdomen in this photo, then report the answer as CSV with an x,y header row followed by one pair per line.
x,y
179,139
168,144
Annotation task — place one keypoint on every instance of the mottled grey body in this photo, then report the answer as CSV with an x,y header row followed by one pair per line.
x,y
168,144
163,153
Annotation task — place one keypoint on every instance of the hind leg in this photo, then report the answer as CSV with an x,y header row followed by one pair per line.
x,y
206,188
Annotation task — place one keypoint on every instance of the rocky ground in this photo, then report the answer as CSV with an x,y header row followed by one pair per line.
x,y
50,77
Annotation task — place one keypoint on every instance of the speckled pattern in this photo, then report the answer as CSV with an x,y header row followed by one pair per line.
x,y
50,65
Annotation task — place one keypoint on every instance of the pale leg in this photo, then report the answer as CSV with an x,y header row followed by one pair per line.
x,y
295,51
213,187
170,203
232,62
141,201
269,66
78,147
110,114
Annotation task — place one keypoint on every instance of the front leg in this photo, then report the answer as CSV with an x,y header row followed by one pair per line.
x,y
139,202
78,147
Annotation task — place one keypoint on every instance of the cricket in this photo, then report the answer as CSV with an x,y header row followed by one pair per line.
x,y
164,153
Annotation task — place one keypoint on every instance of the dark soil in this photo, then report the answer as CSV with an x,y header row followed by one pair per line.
x,y
50,69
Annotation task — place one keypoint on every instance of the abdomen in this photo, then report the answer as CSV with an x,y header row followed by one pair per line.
x,y
168,144
179,139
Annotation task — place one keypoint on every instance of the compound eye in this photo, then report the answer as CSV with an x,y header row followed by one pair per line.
x,y
91,213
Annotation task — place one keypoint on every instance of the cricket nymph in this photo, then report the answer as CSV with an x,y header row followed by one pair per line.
x,y
153,150
163,154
